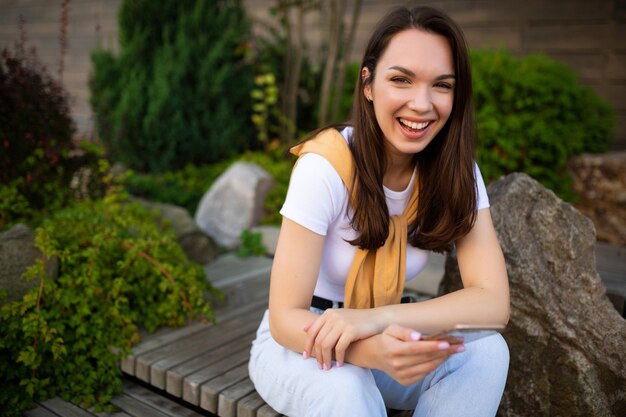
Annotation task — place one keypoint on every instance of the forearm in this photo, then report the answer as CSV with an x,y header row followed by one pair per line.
x,y
287,327
473,305
363,353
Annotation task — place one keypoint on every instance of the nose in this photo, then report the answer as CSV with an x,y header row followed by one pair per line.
x,y
420,100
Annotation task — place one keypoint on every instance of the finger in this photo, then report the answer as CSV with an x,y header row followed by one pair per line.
x,y
328,344
318,347
340,349
312,331
430,346
402,333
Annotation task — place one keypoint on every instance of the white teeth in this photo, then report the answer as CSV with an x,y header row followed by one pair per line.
x,y
414,125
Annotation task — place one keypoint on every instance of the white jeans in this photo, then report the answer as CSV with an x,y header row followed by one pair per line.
x,y
468,384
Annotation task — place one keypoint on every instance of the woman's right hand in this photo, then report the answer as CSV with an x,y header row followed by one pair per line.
x,y
406,358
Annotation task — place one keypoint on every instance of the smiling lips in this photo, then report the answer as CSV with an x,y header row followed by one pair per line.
x,y
418,126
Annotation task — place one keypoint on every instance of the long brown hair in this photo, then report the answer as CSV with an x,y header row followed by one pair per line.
x,y
447,187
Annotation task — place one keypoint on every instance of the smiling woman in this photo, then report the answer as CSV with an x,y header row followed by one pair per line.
x,y
366,202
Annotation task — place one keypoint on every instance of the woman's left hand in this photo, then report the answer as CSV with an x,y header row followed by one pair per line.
x,y
335,329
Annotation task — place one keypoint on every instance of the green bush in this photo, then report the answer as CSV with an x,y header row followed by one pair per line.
x,y
117,271
532,115
179,91
251,244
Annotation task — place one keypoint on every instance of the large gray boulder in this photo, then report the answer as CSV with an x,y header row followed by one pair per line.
x,y
567,341
234,203
197,245
17,254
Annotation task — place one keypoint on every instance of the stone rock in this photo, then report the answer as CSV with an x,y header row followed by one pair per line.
x,y
567,341
600,181
234,203
17,253
198,246
270,237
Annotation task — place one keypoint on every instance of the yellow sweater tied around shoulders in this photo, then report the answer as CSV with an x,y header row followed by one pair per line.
x,y
376,277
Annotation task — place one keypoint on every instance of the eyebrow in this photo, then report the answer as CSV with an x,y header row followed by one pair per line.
x,y
412,74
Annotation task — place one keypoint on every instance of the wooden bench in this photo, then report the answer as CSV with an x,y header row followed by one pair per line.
x,y
207,365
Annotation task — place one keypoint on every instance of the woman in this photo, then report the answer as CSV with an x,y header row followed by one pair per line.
x,y
365,205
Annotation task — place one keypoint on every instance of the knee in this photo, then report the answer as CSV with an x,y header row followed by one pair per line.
x,y
348,390
491,351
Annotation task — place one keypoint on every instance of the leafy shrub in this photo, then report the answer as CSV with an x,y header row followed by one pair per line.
x,y
532,114
35,137
179,91
117,271
251,244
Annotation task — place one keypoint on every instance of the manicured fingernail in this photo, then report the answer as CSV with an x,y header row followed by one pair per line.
x,y
460,349
443,345
305,355
326,367
415,335
339,364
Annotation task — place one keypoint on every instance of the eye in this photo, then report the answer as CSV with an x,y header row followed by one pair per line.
x,y
400,80
446,86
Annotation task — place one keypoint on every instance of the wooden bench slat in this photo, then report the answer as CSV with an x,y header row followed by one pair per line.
x,y
164,337
245,293
209,392
144,362
267,411
228,399
176,375
158,401
192,383
248,405
135,407
230,268
119,413
40,412
64,408
226,333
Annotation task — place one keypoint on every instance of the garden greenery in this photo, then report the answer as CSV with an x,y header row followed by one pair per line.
x,y
117,272
187,186
38,155
251,244
179,90
532,115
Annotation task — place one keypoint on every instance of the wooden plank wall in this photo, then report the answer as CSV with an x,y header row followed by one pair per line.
x,y
590,36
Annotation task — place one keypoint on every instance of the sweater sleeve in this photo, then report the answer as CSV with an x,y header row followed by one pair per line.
x,y
316,194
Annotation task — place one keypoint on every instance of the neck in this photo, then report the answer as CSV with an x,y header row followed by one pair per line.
x,y
398,173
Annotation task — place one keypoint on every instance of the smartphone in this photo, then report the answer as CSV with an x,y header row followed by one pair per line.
x,y
465,332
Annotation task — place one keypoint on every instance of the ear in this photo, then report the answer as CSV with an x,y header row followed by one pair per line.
x,y
367,88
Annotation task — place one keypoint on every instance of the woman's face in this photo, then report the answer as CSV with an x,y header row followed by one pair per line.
x,y
413,90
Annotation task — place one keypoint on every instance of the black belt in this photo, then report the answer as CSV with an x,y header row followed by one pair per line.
x,y
323,304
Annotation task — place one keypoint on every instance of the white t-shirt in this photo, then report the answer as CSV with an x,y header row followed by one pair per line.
x,y
318,200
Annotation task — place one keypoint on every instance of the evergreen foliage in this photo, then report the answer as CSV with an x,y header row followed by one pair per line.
x,y
179,91
532,115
